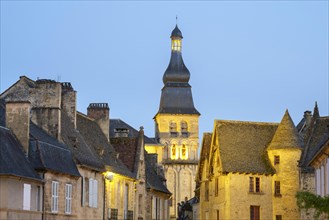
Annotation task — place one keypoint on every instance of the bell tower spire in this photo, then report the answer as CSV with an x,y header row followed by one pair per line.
x,y
177,126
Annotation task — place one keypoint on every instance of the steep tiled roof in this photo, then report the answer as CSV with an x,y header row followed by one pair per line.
x,y
12,158
153,180
118,123
46,153
96,139
242,146
205,149
127,148
319,130
83,154
286,135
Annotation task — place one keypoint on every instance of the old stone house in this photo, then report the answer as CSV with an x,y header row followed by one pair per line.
x,y
313,163
151,193
51,159
248,170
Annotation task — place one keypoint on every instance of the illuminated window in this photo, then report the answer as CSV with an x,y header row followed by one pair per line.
x,y
276,159
254,184
173,152
176,45
184,154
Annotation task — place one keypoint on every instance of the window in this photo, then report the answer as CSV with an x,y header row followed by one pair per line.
x,y
140,201
184,128
38,199
206,191
254,213
54,196
278,217
68,198
277,190
216,187
27,196
173,129
173,152
217,214
114,214
93,193
125,201
318,181
184,154
83,186
254,184
276,159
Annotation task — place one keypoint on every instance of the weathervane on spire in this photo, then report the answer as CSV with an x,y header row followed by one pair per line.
x,y
176,19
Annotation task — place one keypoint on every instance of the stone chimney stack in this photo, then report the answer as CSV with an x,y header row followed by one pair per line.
x,y
101,113
18,120
69,102
46,108
308,118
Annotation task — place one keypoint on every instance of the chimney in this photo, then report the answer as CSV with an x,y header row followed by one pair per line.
x,y
18,120
101,113
46,108
69,102
308,118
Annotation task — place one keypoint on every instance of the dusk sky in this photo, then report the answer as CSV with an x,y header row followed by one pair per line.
x,y
249,60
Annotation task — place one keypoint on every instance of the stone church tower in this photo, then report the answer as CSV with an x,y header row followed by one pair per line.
x,y
177,127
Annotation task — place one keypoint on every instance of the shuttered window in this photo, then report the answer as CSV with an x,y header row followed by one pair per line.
x,y
27,197
93,193
54,196
68,198
318,182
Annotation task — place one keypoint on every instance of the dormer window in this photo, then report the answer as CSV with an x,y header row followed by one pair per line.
x,y
173,129
121,132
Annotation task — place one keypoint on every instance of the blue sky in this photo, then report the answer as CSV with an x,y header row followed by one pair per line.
x,y
249,60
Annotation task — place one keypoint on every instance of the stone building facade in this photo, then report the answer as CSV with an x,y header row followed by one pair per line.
x,y
248,170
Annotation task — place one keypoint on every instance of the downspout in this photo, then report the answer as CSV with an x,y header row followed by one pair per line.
x,y
104,200
43,197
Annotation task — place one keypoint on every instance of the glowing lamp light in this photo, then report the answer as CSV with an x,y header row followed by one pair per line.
x,y
176,44
109,176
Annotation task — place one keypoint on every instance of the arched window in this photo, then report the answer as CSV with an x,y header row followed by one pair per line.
x,y
184,129
173,152
173,129
184,153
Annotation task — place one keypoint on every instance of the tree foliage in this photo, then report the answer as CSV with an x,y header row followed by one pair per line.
x,y
308,200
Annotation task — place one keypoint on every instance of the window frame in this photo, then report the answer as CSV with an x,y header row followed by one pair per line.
x,y
254,212
68,198
54,196
27,196
277,189
254,184
276,159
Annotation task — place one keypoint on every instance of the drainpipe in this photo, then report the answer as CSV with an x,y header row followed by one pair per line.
x,y
104,198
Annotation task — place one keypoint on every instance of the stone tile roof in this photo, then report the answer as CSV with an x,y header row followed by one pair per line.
x,y
46,153
119,124
96,139
286,135
242,146
83,154
12,157
153,180
318,132
204,154
127,148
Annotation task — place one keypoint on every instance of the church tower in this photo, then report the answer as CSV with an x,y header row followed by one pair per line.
x,y
177,127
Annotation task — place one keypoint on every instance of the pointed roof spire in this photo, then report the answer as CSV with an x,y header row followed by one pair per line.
x,y
316,113
286,135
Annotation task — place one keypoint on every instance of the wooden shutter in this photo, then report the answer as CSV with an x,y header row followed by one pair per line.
x,y
27,197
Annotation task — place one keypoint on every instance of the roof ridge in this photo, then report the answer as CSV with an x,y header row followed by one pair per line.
x,y
245,122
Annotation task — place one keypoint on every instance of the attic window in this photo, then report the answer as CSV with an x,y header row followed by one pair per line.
x,y
173,129
121,132
254,184
276,159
